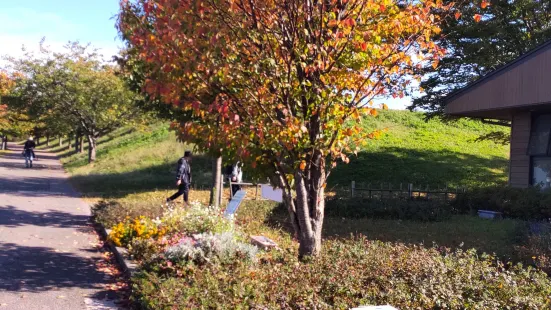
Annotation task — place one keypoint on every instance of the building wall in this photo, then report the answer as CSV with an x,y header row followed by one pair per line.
x,y
519,167
524,83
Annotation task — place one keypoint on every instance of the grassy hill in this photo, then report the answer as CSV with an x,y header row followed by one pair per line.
x,y
411,151
425,153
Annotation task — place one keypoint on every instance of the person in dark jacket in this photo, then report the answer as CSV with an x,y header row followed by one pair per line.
x,y
183,178
28,152
236,177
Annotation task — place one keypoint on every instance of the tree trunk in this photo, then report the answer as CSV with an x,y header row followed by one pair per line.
x,y
77,134
91,148
216,189
308,208
60,141
37,140
47,140
3,142
81,144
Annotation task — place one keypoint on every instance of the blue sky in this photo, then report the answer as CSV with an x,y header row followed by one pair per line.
x,y
25,22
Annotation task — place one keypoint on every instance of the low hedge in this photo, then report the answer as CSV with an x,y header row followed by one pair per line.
x,y
522,203
401,209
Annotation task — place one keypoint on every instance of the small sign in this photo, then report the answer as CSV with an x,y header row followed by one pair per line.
x,y
263,242
234,203
268,192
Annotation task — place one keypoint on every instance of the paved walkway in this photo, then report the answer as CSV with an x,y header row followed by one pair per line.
x,y
47,254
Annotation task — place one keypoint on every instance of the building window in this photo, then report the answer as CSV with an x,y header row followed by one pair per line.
x,y
541,172
539,149
539,137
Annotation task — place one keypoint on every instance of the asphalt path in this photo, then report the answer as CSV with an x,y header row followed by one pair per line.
x,y
48,248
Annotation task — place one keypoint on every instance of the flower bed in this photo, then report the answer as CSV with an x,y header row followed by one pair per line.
x,y
195,258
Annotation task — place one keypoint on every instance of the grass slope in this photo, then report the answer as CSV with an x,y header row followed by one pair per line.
x,y
411,151
426,153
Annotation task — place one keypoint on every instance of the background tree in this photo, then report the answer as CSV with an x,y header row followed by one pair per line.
x,y
76,87
506,30
13,122
274,82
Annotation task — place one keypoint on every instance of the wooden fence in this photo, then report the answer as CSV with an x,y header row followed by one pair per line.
x,y
402,191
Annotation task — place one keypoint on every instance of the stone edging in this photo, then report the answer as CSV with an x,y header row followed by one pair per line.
x,y
129,267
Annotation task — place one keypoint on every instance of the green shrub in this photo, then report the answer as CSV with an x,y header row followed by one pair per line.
x,y
348,274
524,203
402,209
222,248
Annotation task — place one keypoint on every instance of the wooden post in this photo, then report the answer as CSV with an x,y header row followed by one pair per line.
x,y
60,141
428,192
352,188
256,192
221,191
410,191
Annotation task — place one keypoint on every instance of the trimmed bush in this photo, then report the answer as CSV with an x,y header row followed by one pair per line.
x,y
402,209
523,203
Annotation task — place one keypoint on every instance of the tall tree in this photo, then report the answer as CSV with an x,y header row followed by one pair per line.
x,y
501,31
77,88
281,85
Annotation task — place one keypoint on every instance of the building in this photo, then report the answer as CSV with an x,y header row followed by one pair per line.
x,y
519,92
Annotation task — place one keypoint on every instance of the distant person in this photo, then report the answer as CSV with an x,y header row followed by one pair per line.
x,y
236,177
183,179
28,152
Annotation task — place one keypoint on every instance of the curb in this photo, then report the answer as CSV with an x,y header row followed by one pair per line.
x,y
121,254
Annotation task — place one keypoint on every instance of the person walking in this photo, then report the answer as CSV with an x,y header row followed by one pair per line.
x,y
28,152
236,177
183,179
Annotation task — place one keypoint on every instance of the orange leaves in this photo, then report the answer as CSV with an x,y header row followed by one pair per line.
x,y
375,135
484,4
371,111
302,165
477,17
457,15
385,107
349,22
435,63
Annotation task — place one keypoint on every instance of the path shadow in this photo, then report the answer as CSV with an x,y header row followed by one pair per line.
x,y
30,184
35,269
11,217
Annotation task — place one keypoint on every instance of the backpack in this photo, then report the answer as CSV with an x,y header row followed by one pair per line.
x,y
228,170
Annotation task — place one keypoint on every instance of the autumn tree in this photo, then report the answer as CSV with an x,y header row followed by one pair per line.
x,y
281,85
77,89
12,121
